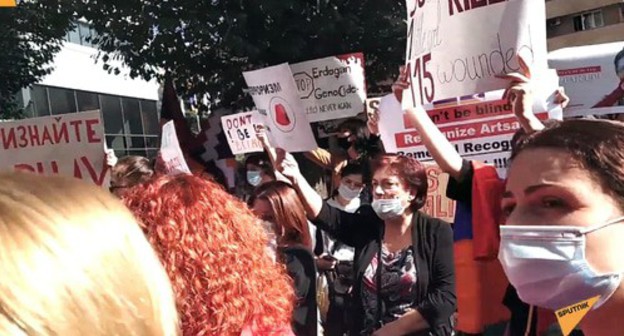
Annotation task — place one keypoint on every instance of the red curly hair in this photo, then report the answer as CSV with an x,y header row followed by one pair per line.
x,y
213,249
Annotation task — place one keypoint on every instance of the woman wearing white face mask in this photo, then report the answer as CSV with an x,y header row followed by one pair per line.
x,y
413,292
335,259
258,171
564,201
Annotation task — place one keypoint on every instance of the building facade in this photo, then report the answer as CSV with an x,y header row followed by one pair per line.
x,y
584,22
78,83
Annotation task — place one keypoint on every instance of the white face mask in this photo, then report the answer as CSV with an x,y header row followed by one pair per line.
x,y
548,267
254,178
388,208
348,193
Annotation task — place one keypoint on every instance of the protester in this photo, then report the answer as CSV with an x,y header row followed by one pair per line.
x,y
564,204
75,262
478,189
335,259
355,142
394,299
128,172
277,203
213,249
258,170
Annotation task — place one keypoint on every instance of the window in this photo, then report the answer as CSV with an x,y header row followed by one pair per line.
x,y
587,21
87,101
131,125
62,101
111,112
82,34
39,96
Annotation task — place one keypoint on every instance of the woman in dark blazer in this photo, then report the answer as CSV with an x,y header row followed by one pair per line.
x,y
413,292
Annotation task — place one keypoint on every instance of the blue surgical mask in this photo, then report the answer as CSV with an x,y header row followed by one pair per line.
x,y
548,267
388,208
254,177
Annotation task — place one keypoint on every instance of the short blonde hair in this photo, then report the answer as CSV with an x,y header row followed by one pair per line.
x,y
73,261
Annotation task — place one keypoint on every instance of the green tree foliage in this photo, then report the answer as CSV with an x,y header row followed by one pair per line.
x,y
30,36
206,44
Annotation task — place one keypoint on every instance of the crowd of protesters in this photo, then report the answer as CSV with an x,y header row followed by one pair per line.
x,y
185,255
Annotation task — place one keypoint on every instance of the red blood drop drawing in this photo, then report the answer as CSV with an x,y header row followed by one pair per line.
x,y
281,117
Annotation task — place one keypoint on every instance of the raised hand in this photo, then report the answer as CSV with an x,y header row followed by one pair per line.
x,y
520,91
286,164
400,84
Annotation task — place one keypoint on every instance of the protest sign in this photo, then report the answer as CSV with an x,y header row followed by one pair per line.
x,y
331,87
480,127
240,131
593,78
275,95
171,153
437,204
456,48
68,144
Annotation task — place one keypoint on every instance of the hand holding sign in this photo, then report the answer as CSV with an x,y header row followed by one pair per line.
x,y
520,90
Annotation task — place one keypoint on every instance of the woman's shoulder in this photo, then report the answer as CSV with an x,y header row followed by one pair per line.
x,y
432,224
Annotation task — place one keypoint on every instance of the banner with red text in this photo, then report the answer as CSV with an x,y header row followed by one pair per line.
x,y
171,153
480,127
331,87
68,144
240,131
437,204
457,47
593,78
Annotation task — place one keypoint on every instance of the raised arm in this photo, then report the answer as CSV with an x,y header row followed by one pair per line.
x,y
442,151
520,96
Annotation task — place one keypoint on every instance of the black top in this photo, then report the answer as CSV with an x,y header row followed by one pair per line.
x,y
302,269
432,243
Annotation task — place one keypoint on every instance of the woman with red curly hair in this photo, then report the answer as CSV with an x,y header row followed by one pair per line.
x,y
213,249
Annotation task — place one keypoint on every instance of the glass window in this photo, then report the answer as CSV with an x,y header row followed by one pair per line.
x,y
62,101
74,36
116,142
111,113
132,116
588,21
85,32
150,117
39,96
135,141
87,101
138,152
152,141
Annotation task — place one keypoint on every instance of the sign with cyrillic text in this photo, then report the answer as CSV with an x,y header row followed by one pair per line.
x,y
331,87
275,94
68,145
457,47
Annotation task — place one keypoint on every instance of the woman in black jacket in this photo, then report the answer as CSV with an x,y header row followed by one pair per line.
x,y
413,293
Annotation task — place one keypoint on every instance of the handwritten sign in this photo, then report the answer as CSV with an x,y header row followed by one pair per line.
x,y
171,153
593,78
331,87
68,144
456,48
240,132
275,94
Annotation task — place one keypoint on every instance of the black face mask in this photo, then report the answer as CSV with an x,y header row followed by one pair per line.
x,y
344,143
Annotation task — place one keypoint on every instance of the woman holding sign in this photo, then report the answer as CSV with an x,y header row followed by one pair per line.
x,y
403,264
